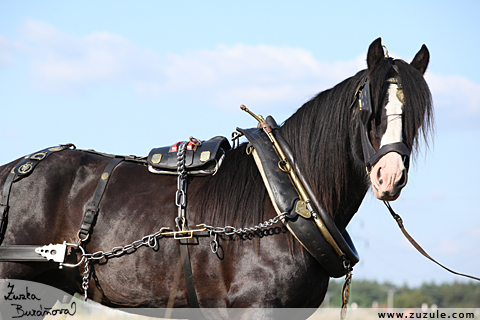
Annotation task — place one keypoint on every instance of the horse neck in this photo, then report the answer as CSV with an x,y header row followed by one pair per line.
x,y
326,145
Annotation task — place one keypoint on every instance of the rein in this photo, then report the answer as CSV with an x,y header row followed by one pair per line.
x,y
417,246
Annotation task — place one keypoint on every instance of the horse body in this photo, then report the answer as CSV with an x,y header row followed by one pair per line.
x,y
254,270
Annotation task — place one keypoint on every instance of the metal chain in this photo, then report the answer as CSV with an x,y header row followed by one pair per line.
x,y
181,195
346,288
86,278
151,241
227,230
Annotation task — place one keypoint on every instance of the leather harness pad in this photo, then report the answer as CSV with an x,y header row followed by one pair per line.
x,y
284,196
202,160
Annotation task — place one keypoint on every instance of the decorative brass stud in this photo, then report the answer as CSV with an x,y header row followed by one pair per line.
x,y
39,156
205,156
156,158
301,209
105,176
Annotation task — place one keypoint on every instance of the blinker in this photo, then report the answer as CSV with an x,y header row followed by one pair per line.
x,y
371,156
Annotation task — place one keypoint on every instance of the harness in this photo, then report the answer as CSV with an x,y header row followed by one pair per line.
x,y
291,195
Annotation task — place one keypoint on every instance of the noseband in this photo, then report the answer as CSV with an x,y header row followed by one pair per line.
x,y
371,156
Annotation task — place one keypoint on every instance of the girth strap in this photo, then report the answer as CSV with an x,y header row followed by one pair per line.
x,y
188,274
92,210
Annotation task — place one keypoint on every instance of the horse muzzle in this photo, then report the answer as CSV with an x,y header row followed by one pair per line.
x,y
388,177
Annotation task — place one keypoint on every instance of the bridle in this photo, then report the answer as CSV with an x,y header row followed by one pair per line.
x,y
371,156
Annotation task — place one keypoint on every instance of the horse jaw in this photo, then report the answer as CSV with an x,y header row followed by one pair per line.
x,y
389,175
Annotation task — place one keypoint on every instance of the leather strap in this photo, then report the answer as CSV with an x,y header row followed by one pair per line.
x,y
92,209
4,202
417,246
188,274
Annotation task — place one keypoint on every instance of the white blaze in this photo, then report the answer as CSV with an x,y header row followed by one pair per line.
x,y
394,117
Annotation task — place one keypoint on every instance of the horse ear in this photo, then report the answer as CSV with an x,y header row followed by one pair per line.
x,y
420,62
375,54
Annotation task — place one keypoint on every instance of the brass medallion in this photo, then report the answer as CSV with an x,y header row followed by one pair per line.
x,y
25,168
59,148
105,176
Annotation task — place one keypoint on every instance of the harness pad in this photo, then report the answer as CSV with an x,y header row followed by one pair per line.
x,y
200,159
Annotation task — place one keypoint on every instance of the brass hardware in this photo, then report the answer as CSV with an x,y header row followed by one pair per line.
x,y
59,148
205,156
293,176
183,234
259,118
25,168
249,150
368,171
39,156
156,158
301,209
105,176
283,165
386,52
400,96
195,141
326,234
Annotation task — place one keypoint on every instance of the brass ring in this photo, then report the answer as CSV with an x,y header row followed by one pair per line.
x,y
80,239
283,167
195,141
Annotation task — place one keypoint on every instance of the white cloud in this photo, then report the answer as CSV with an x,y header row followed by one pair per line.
x,y
455,92
259,75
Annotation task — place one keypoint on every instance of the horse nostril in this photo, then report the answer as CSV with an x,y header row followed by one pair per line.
x,y
402,181
380,182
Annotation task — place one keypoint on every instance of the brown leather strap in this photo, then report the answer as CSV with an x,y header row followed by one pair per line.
x,y
417,246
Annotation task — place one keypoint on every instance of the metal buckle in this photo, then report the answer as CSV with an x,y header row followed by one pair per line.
x,y
185,234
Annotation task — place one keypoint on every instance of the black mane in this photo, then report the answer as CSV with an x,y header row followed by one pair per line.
x,y
323,135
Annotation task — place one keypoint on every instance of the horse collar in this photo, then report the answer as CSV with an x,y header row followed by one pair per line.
x,y
304,216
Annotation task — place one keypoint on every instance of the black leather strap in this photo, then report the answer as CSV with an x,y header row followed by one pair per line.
x,y
92,209
188,274
4,202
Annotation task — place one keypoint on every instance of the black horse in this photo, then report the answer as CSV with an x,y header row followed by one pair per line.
x,y
253,270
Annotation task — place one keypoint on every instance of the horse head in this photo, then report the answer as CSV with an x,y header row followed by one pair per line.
x,y
400,108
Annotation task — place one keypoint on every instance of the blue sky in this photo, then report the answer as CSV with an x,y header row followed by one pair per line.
x,y
124,77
